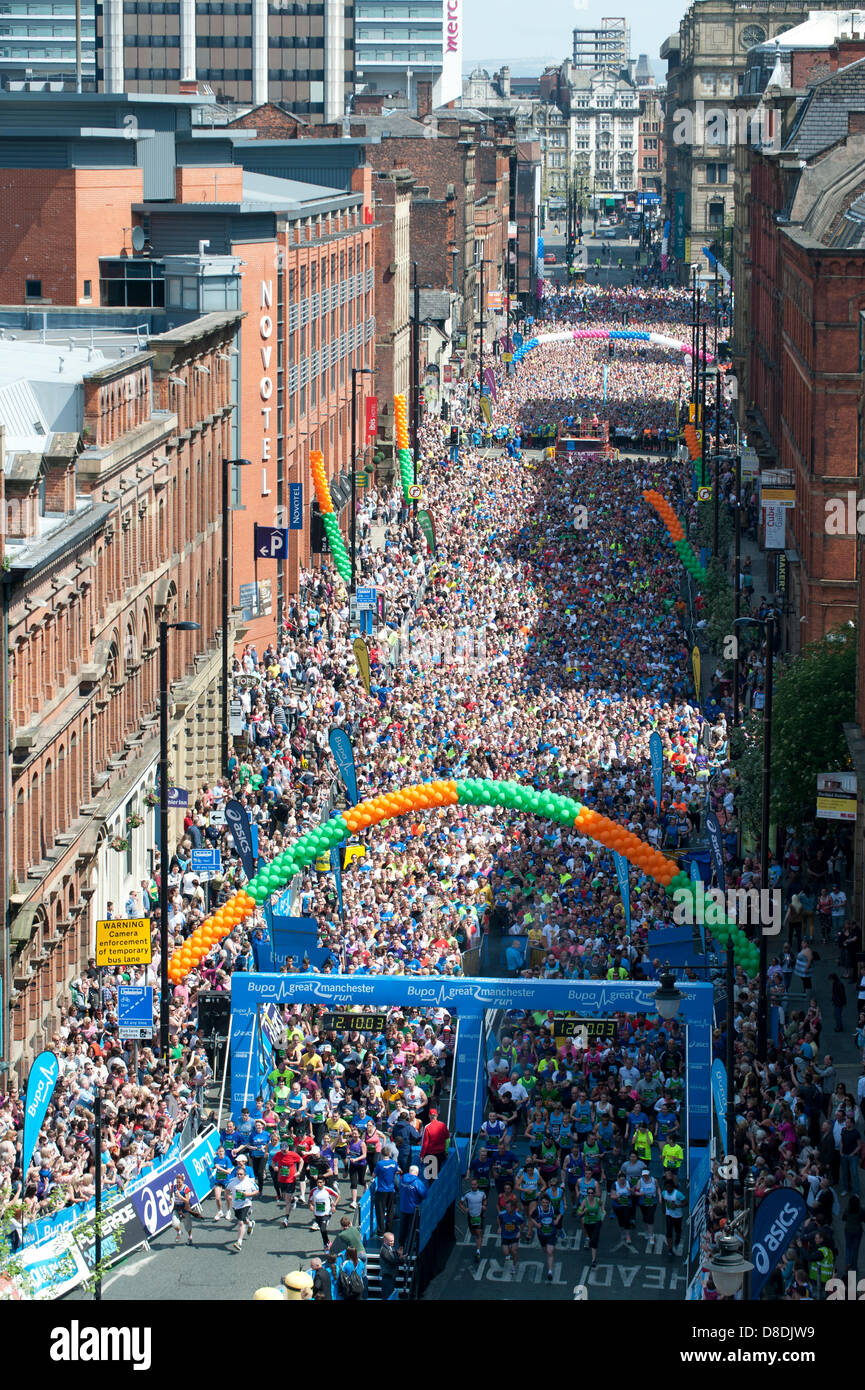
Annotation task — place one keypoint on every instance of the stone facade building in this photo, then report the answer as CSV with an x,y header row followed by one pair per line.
x,y
702,125
112,505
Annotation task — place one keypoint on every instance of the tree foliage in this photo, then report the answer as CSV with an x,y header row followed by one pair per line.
x,y
813,698
719,596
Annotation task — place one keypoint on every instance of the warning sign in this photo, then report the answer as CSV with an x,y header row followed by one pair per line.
x,y
125,942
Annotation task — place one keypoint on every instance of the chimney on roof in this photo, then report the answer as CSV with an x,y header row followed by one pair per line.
x,y
424,98
189,87
369,104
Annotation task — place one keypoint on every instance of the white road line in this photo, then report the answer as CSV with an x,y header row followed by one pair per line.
x,y
128,1270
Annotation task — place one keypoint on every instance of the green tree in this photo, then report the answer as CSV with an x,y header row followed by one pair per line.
x,y
813,698
718,592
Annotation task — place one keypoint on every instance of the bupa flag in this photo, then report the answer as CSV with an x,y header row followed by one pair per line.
x,y
40,1089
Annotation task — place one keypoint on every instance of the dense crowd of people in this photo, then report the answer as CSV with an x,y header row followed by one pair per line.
x,y
528,647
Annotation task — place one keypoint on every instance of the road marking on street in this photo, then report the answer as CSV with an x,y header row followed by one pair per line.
x,y
128,1270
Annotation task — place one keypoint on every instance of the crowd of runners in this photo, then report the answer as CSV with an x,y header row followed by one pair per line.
x,y
527,647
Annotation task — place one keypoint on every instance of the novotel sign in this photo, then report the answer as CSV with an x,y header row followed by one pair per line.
x,y
453,25
265,385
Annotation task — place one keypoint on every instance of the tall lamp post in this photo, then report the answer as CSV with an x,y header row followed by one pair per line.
x,y
227,465
737,592
164,629
481,265
355,373
415,367
768,624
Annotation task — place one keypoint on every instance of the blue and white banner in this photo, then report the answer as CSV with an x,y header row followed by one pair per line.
x,y
198,1162
719,1096
40,1089
624,885
716,848
51,1269
779,1216
238,823
340,747
656,753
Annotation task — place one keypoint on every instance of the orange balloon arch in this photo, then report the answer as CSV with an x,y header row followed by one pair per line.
x,y
426,796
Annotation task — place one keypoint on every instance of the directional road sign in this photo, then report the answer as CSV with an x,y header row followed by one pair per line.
x,y
271,542
135,1011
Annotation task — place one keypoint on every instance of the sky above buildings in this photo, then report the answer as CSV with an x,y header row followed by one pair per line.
x,y
529,36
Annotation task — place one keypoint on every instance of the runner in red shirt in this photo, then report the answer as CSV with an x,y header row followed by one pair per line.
x,y
287,1163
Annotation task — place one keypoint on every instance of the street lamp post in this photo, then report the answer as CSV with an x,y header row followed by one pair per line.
x,y
731,1089
227,465
737,550
768,624
355,373
415,368
164,629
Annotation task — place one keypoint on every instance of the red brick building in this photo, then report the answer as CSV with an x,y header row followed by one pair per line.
x,y
307,288
112,508
807,297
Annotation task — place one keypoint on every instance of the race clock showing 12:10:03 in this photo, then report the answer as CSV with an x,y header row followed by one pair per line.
x,y
363,1023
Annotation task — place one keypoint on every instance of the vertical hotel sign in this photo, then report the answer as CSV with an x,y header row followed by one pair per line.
x,y
452,51
679,224
265,384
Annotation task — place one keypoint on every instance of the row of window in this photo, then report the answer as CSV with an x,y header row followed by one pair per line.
x,y
222,41
401,54
43,31
219,7
716,173
282,75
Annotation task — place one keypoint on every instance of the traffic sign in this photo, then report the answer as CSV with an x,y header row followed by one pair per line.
x,y
366,599
135,1011
271,542
205,861
125,941
415,492
217,815
704,494
507,357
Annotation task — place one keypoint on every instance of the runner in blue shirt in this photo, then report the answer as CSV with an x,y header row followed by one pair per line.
x,y
511,1221
223,1168
549,1226
384,1188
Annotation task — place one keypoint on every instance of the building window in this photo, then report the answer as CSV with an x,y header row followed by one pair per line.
x,y
87,289
716,214
716,173
32,289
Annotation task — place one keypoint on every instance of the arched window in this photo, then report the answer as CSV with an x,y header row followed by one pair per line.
x,y
74,779
21,839
86,765
37,838
62,817
49,821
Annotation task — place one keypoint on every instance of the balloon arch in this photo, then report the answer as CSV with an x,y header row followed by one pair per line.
x,y
608,334
430,796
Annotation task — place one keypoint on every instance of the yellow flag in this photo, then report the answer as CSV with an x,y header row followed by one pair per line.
x,y
361,656
695,661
